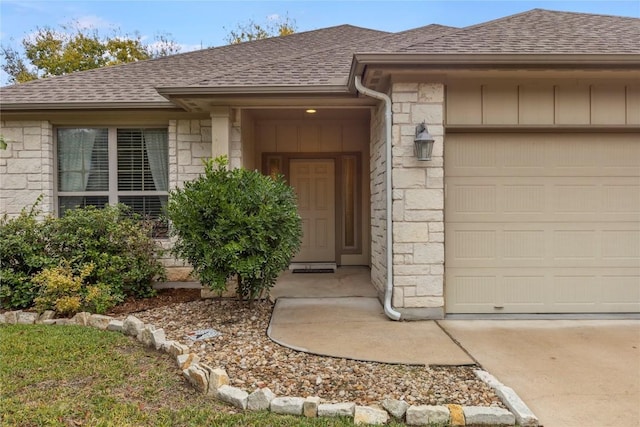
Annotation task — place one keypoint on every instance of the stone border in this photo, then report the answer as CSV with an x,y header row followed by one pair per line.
x,y
524,415
214,382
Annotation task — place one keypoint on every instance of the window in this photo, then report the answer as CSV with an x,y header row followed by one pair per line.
x,y
99,166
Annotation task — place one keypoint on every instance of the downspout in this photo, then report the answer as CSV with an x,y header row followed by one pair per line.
x,y
388,310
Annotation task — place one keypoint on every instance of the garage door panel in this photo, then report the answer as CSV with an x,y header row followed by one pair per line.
x,y
603,245
574,289
475,291
523,156
623,154
520,245
622,197
475,198
574,198
543,154
473,156
558,290
542,223
524,199
622,291
524,290
572,246
474,244
621,244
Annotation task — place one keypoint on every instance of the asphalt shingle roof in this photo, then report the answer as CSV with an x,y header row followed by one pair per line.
x,y
540,32
136,82
323,57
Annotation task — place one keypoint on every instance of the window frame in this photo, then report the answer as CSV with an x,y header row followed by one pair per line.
x,y
112,193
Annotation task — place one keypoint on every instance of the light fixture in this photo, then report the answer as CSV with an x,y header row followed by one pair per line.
x,y
310,111
423,143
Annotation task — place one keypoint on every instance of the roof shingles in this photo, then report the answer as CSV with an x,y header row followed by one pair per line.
x,y
323,57
136,82
540,32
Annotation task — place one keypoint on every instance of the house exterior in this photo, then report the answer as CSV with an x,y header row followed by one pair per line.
x,y
529,204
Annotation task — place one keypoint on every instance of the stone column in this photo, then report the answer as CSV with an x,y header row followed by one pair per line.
x,y
235,142
418,202
220,131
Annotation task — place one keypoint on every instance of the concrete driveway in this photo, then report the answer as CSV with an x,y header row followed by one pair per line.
x,y
582,373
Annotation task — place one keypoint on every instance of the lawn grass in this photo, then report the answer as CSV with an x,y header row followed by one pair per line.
x,y
78,376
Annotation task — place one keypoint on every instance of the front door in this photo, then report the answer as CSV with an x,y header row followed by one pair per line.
x,y
314,183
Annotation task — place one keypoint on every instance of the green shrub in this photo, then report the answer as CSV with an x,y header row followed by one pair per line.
x,y
22,254
66,293
115,240
235,223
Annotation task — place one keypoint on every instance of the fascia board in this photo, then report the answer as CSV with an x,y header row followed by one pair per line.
x,y
623,60
407,60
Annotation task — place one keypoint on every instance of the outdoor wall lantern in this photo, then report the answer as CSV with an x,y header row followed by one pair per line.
x,y
423,143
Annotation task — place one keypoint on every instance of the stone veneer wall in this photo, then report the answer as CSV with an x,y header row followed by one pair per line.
x,y
26,166
418,202
189,143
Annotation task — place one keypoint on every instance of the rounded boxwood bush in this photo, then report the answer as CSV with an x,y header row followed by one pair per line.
x,y
235,223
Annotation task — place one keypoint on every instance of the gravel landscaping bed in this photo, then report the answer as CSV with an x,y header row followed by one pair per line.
x,y
252,360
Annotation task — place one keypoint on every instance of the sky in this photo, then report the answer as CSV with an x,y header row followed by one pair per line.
x,y
205,23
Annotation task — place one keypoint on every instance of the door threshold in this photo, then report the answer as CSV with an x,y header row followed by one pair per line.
x,y
313,267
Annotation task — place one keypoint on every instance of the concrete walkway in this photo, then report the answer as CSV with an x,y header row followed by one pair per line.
x,y
571,373
345,282
338,314
357,328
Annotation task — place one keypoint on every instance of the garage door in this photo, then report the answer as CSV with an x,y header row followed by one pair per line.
x,y
542,223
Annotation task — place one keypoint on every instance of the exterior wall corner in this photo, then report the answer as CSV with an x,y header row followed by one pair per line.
x,y
418,194
26,166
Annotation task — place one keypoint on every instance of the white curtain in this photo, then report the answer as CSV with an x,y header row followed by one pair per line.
x,y
75,147
157,147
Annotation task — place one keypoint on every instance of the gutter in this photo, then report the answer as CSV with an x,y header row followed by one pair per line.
x,y
280,90
388,309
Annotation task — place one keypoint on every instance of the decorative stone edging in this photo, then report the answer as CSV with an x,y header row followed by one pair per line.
x,y
214,382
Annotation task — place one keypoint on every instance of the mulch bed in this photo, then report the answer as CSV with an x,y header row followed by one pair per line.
x,y
164,298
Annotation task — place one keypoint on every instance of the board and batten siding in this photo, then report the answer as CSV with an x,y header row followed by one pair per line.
x,y
543,103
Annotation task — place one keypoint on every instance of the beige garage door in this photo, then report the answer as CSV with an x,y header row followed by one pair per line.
x,y
542,223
